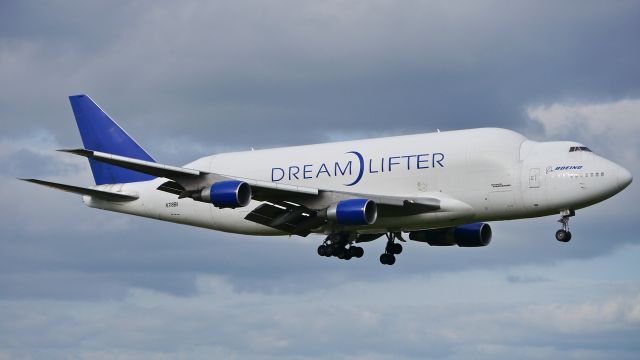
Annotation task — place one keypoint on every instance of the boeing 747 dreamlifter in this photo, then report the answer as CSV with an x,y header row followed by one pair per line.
x,y
440,188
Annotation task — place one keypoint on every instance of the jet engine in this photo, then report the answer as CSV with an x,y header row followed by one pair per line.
x,y
226,194
470,235
353,212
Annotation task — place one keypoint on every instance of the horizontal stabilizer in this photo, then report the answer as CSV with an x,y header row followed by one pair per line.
x,y
95,193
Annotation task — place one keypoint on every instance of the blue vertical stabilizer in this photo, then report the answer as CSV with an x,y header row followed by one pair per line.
x,y
100,133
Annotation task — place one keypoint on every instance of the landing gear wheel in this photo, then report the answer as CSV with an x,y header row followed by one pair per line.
x,y
563,235
356,251
392,260
322,250
396,249
339,252
387,259
345,256
392,248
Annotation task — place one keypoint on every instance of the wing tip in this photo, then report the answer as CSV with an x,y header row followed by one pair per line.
x,y
77,151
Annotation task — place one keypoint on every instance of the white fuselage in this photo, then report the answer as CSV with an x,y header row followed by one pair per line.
x,y
488,174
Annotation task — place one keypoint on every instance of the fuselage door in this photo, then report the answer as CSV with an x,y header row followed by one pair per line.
x,y
534,178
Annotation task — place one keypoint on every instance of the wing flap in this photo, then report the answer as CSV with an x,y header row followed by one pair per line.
x,y
292,219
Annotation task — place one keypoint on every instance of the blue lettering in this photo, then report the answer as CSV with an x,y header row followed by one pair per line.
x,y
573,167
371,167
337,170
273,174
294,174
323,169
408,157
306,169
420,160
392,162
386,164
360,168
439,161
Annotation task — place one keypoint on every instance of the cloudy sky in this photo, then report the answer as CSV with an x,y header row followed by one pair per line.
x,y
191,78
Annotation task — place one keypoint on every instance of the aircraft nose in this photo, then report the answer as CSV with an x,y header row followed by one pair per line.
x,y
624,177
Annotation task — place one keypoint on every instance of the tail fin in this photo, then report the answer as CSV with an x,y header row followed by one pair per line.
x,y
100,133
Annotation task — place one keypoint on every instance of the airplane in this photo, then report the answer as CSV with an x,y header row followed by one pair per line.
x,y
439,188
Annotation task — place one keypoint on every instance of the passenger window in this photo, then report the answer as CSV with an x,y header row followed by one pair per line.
x,y
579,148
601,174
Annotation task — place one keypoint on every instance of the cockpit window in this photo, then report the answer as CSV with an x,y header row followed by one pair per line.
x,y
579,148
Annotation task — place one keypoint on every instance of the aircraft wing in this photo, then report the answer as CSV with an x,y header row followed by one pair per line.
x,y
96,193
264,190
180,174
283,204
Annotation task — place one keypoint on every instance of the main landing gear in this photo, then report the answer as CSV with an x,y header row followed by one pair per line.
x,y
340,246
564,234
392,249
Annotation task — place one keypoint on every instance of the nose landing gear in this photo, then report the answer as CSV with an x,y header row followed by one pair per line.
x,y
564,235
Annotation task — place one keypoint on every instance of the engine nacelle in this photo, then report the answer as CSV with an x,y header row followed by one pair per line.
x,y
226,194
353,212
470,235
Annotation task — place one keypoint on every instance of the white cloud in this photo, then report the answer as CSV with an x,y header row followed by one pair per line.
x,y
593,119
613,125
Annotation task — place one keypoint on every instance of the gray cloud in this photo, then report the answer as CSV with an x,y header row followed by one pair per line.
x,y
225,69
517,279
28,163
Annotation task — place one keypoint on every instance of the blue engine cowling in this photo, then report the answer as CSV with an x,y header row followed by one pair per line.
x,y
470,235
227,194
353,212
